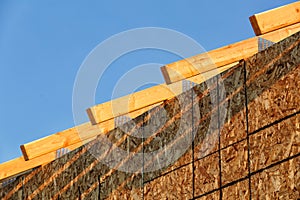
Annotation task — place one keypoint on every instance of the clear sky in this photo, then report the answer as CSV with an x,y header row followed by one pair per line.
x,y
43,44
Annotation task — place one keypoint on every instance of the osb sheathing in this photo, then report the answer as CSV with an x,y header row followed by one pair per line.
x,y
235,136
239,190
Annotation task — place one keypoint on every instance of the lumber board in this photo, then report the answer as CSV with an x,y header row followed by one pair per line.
x,y
276,18
58,140
201,63
145,98
19,165
78,134
132,102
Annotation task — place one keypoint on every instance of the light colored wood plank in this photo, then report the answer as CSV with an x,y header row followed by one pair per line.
x,y
276,18
201,63
19,165
58,140
78,134
144,98
132,102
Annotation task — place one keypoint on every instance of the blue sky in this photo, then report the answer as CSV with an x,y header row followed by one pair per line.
x,y
43,44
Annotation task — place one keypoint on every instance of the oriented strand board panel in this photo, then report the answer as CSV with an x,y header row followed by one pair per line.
x,y
211,196
15,188
191,117
234,162
133,193
276,18
279,182
240,190
232,107
275,143
207,174
206,119
64,179
175,185
226,93
223,56
169,137
273,83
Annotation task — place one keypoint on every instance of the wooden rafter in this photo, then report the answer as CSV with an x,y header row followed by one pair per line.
x,y
144,98
201,63
276,18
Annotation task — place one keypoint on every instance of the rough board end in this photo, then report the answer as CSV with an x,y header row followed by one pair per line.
x,y
254,25
165,75
23,150
91,116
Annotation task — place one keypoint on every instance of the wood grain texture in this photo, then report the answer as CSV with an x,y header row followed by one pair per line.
x,y
223,56
132,102
63,139
19,165
276,18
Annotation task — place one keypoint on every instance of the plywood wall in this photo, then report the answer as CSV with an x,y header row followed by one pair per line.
x,y
240,133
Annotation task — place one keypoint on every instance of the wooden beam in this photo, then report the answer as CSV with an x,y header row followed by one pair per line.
x,y
275,19
122,111
19,165
144,98
58,140
201,63
79,134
